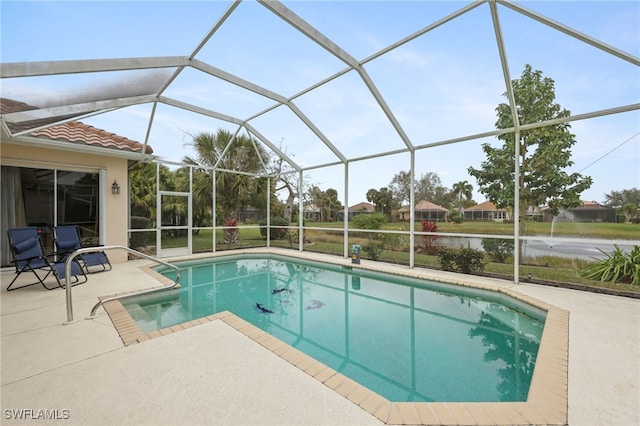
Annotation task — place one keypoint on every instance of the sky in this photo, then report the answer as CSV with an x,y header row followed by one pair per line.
x,y
443,85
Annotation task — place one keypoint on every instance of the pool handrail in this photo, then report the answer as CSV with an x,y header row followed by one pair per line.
x,y
67,279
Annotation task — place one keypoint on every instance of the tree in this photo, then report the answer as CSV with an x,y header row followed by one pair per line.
x,y
202,198
620,198
428,187
400,187
259,197
142,188
326,201
462,190
233,190
333,204
381,199
287,181
630,211
544,152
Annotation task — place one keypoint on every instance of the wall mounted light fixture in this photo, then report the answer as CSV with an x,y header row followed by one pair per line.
x,y
115,188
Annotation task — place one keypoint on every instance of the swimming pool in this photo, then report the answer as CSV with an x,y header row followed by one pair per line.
x,y
406,339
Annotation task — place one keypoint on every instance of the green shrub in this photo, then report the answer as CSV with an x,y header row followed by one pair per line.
x,y
447,258
498,249
368,221
373,250
140,239
618,267
394,242
470,261
139,222
279,230
456,218
465,260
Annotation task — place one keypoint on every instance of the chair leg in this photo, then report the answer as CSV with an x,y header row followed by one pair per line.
x,y
76,281
14,280
40,280
105,265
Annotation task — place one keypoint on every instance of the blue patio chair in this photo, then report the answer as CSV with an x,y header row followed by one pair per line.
x,y
28,256
67,239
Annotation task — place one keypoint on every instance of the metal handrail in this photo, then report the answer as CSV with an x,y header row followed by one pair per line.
x,y
67,277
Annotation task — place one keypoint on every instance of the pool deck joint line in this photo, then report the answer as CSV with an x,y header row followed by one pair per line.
x,y
547,402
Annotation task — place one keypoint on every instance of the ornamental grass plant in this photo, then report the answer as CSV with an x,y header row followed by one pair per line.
x,y
618,267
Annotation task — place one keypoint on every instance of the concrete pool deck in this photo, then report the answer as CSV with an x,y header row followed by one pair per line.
x,y
83,374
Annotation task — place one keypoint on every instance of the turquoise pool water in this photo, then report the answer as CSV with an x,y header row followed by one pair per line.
x,y
406,339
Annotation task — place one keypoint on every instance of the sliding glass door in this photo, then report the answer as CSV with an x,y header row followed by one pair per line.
x,y
49,197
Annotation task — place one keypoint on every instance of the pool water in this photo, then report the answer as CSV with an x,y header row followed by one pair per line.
x,y
406,339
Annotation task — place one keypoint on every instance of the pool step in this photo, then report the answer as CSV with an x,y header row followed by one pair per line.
x,y
138,313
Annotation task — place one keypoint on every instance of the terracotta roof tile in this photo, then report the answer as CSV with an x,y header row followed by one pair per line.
x,y
72,132
7,106
77,132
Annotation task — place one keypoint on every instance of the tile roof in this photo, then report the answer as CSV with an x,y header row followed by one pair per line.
x,y
586,205
73,132
368,207
486,206
428,205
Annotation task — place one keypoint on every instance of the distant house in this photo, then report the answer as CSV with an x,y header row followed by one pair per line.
x,y
424,210
361,208
312,212
589,211
486,211
248,214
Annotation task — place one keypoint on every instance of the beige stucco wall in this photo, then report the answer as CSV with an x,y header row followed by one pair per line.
x,y
116,205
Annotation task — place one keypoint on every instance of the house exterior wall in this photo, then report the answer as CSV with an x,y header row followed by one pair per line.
x,y
485,215
434,215
116,168
601,214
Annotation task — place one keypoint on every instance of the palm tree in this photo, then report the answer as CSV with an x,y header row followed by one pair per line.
x,y
142,188
227,154
462,190
630,211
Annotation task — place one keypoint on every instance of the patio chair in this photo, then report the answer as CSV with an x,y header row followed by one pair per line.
x,y
67,239
28,256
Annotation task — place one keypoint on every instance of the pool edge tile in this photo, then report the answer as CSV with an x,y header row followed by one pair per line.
x,y
548,396
408,413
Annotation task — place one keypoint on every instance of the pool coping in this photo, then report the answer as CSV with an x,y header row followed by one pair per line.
x,y
547,402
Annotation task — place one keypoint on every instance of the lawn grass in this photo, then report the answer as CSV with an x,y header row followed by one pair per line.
x,y
545,268
622,231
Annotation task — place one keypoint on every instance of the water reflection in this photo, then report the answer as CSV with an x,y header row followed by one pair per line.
x,y
514,344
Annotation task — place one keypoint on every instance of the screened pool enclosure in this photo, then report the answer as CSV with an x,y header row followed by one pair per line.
x,y
331,95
